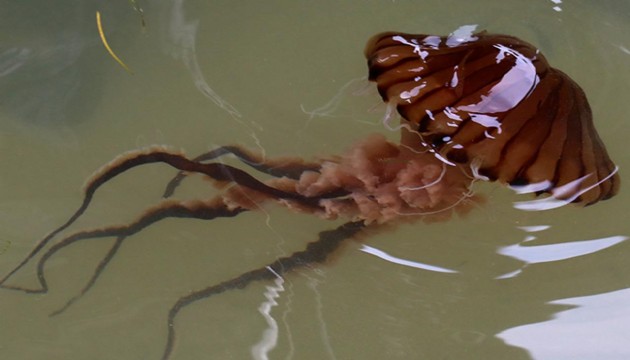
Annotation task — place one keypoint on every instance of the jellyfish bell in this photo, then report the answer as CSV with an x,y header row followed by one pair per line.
x,y
493,103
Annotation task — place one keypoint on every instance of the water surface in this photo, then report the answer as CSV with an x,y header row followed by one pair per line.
x,y
519,285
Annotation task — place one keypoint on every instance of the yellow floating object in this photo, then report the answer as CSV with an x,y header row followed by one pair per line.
x,y
109,49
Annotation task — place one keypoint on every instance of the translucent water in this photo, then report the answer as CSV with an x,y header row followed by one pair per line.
x,y
284,77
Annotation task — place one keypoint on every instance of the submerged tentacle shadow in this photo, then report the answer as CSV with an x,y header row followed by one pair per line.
x,y
316,252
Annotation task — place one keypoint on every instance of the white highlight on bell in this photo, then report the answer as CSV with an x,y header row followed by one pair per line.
x,y
552,202
516,85
531,188
451,113
269,339
417,49
407,95
432,41
396,260
486,121
463,34
455,78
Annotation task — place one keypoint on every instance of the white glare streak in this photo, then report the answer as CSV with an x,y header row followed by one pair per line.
x,y
320,315
624,49
486,121
531,188
407,95
417,49
462,35
553,202
514,87
269,339
594,327
414,264
13,59
534,228
555,252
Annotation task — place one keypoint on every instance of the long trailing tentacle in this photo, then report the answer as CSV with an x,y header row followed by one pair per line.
x,y
95,275
278,168
217,171
315,253
168,209
292,169
160,213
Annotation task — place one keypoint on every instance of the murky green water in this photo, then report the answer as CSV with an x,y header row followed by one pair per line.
x,y
66,108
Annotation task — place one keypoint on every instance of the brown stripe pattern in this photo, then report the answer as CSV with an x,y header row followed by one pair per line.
x,y
494,102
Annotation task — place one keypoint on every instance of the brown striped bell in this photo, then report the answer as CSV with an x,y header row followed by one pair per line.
x,y
493,102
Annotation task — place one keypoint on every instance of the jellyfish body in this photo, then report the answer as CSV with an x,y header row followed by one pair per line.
x,y
479,106
493,102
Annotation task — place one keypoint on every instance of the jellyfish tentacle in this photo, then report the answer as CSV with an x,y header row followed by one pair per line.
x,y
316,252
217,171
103,175
95,275
291,168
42,243
220,172
168,209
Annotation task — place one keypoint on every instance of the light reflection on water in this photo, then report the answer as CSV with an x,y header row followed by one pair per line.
x,y
596,327
209,74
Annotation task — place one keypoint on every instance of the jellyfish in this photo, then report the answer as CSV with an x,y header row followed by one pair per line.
x,y
472,107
